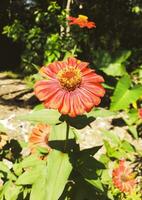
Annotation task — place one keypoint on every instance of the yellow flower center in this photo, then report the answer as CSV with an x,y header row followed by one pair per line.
x,y
69,78
127,178
83,17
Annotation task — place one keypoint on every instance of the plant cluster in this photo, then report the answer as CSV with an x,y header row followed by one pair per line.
x,y
51,164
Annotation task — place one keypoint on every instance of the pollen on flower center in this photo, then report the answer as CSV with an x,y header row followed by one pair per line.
x,y
128,177
69,78
83,18
125,178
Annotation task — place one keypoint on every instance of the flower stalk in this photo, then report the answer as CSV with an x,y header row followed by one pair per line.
x,y
67,136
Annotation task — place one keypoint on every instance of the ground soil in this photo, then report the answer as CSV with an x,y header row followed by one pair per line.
x,y
15,96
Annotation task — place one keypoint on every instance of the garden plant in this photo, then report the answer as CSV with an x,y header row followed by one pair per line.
x,y
75,86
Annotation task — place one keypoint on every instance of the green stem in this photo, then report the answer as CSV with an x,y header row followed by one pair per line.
x,y
67,136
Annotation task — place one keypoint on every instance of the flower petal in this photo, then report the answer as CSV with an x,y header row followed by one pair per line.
x,y
72,112
82,65
78,105
57,100
46,72
65,106
95,99
86,100
92,78
87,71
72,61
44,92
95,89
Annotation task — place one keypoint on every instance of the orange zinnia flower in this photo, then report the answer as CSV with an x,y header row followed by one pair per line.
x,y
123,178
81,21
71,87
140,113
39,137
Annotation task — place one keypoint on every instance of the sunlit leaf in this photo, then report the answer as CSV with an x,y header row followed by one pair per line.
x,y
10,191
4,167
117,68
125,145
58,171
38,191
58,132
114,69
39,187
111,136
99,112
133,130
97,183
45,115
123,96
31,175
30,161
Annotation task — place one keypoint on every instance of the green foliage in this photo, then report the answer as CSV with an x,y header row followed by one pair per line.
x,y
99,112
58,132
57,174
42,43
64,171
116,67
10,191
29,177
124,95
44,115
14,31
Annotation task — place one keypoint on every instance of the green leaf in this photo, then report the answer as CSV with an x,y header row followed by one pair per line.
x,y
31,175
38,107
114,152
111,136
58,171
133,130
132,117
99,112
110,195
89,167
106,86
105,178
114,69
10,191
11,176
123,57
45,115
108,147
17,169
117,68
58,132
4,167
28,177
127,146
38,191
123,96
30,161
104,159
97,183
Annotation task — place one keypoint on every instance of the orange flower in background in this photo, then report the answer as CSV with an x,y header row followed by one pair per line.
x,y
140,113
81,21
39,137
123,177
70,86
